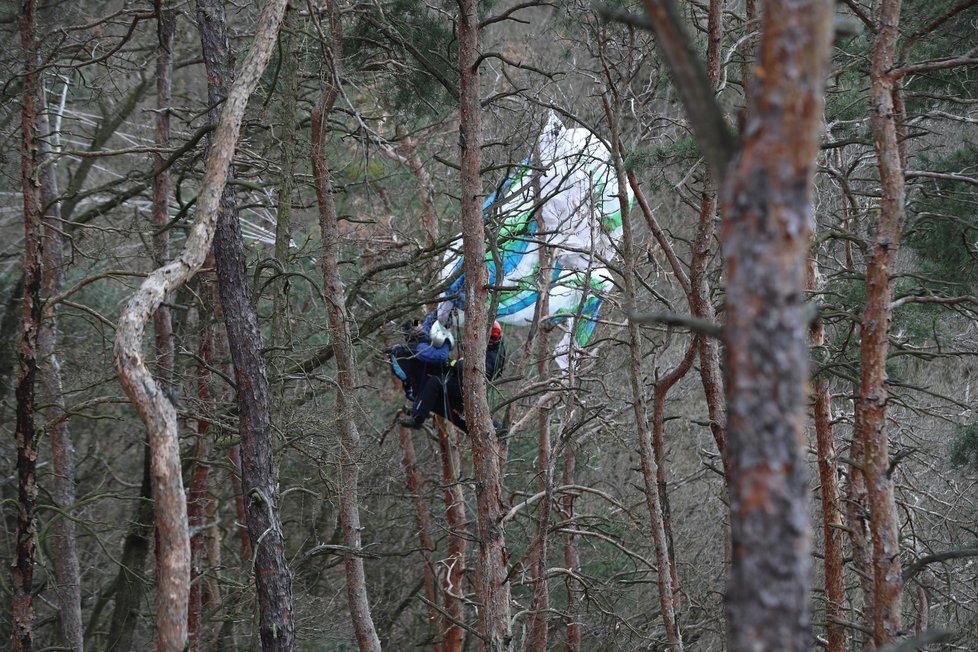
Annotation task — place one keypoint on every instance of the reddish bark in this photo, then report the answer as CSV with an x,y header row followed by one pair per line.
x,y
874,332
572,557
197,496
22,568
234,457
452,592
492,594
660,391
767,219
422,521
828,475
701,305
538,627
860,539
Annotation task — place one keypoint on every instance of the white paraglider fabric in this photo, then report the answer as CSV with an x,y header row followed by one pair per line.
x,y
576,188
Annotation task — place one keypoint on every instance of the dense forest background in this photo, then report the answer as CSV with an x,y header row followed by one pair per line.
x,y
313,520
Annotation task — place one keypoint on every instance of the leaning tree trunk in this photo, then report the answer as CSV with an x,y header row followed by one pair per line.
x,y
22,568
150,401
767,220
259,477
874,332
356,585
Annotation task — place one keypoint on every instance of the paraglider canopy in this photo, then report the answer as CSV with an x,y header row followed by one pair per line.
x,y
567,201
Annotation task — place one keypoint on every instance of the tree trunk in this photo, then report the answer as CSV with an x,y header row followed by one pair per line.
x,y
572,557
415,482
662,387
422,521
875,332
152,404
197,496
540,605
356,585
65,547
701,305
281,323
640,410
828,475
259,476
767,209
22,568
492,590
130,585
455,517
162,320
860,539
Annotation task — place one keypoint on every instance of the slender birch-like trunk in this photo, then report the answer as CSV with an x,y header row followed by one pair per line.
x,y
150,401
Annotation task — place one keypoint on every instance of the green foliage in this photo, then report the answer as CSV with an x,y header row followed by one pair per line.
x,y
945,233
953,38
964,446
422,38
846,95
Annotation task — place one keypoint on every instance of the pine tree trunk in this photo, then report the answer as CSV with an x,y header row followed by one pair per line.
x,y
356,585
422,521
259,476
540,606
150,401
162,319
701,305
828,475
767,220
875,332
458,534
22,568
572,557
860,539
281,325
197,495
492,590
662,387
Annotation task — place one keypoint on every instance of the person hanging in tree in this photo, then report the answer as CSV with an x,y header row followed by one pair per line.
x,y
442,393
424,353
